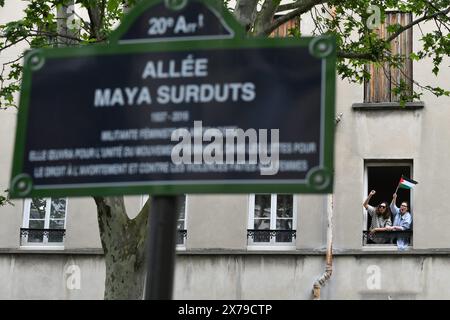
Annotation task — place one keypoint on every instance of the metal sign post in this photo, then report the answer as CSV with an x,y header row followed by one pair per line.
x,y
161,244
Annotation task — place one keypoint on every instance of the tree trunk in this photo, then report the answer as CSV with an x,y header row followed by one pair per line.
x,y
62,24
123,241
245,12
265,16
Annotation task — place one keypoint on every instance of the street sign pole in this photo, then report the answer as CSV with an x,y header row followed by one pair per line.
x,y
161,244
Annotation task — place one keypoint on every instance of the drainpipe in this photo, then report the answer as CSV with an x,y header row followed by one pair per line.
x,y
320,282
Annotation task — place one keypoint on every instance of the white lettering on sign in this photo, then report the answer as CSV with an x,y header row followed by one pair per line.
x,y
187,68
190,67
176,94
206,93
159,26
121,97
179,25
183,26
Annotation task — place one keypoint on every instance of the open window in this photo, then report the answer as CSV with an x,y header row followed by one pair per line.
x,y
383,177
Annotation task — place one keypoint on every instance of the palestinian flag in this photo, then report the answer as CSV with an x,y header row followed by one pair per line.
x,y
406,183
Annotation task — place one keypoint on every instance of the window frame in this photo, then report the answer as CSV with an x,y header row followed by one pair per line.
x,y
181,246
383,163
26,225
272,245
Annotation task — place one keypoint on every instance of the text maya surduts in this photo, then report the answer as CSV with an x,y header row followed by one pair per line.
x,y
189,67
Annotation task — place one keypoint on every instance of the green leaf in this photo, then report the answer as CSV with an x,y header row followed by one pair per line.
x,y
113,5
414,56
5,199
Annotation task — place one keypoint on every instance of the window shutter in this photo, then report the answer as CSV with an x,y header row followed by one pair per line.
x,y
283,30
384,79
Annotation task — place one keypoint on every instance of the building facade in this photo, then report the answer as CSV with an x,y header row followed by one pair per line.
x,y
269,246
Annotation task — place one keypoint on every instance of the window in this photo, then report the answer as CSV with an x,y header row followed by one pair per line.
x,y
44,222
383,177
384,78
181,222
285,29
272,220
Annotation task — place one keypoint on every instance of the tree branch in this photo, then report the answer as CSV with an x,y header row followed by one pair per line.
x,y
6,46
265,16
36,33
357,55
297,4
373,57
142,216
415,22
302,7
96,15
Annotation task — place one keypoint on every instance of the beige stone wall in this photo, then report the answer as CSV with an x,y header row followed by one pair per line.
x,y
285,277
242,276
51,276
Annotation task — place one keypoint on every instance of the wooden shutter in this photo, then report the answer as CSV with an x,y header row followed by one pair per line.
x,y
283,30
379,88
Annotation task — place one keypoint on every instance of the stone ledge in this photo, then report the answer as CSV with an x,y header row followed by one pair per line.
x,y
80,251
250,252
187,252
387,106
317,252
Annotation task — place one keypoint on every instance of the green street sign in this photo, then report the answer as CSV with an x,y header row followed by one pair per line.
x,y
178,101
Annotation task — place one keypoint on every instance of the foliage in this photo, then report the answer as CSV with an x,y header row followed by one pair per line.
x,y
358,43
350,18
4,199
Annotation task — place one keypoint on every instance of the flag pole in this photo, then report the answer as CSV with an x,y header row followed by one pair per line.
x,y
398,185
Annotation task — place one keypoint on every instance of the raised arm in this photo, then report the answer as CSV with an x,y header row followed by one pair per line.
x,y
393,206
366,202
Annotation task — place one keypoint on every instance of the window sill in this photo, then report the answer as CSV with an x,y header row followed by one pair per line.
x,y
375,251
387,248
271,247
42,247
53,250
387,106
